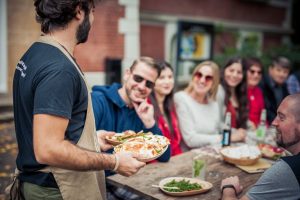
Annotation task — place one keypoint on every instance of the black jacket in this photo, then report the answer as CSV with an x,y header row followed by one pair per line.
x,y
269,97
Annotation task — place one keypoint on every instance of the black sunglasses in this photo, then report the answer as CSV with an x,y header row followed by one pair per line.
x,y
207,78
254,71
139,79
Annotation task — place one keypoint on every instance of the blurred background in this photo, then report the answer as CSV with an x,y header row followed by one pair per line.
x,y
182,32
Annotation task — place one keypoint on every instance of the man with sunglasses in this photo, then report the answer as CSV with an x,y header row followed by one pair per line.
x,y
118,108
274,85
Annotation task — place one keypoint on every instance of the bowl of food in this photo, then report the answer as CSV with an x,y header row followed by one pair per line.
x,y
270,151
146,147
241,155
182,186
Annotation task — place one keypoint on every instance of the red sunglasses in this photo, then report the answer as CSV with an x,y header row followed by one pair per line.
x,y
207,78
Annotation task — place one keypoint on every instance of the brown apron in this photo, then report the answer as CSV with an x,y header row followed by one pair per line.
x,y
74,184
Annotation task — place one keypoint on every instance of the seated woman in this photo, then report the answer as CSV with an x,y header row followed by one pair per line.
x,y
232,97
164,109
197,109
255,96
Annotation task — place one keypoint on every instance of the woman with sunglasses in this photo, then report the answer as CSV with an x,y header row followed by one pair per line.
x,y
164,109
232,97
197,109
255,96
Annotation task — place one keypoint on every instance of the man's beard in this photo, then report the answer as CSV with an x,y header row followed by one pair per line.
x,y
285,145
129,93
83,30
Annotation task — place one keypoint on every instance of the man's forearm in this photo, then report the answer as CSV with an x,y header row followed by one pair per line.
x,y
229,194
69,156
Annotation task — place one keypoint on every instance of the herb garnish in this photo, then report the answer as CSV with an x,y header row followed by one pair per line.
x,y
183,185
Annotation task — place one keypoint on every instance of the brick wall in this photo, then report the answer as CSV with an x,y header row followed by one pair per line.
x,y
235,10
152,41
104,40
22,32
271,40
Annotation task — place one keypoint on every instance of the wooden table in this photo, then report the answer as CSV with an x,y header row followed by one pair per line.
x,y
181,165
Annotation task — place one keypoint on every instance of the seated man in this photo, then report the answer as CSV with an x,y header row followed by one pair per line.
x,y
273,85
118,108
282,180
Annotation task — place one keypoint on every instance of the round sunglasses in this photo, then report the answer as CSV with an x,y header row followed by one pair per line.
x,y
207,78
252,72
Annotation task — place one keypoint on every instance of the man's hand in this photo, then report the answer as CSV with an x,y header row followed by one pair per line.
x,y
101,139
232,180
146,113
128,164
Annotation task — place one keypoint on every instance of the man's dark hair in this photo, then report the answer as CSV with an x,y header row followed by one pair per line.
x,y
148,61
281,62
56,14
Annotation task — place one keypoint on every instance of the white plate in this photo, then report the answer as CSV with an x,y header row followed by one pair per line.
x,y
141,158
204,184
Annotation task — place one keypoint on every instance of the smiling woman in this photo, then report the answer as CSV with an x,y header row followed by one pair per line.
x,y
232,96
234,85
198,112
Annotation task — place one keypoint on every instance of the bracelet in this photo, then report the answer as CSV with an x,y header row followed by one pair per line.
x,y
228,186
117,162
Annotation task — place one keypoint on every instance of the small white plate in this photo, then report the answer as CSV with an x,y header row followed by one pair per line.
x,y
204,184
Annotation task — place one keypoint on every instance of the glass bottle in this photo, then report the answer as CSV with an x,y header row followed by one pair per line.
x,y
226,135
262,128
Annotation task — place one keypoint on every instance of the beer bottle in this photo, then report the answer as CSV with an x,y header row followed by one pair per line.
x,y
226,135
261,129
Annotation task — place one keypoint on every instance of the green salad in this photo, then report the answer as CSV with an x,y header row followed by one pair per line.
x,y
183,185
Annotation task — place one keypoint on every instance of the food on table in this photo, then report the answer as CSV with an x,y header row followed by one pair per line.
x,y
270,151
182,185
146,146
119,138
241,155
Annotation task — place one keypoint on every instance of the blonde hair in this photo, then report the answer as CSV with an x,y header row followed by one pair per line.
x,y
216,78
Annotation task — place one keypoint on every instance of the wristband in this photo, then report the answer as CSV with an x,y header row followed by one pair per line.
x,y
116,162
228,186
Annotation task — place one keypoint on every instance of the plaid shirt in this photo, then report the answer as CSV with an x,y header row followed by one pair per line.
x,y
293,84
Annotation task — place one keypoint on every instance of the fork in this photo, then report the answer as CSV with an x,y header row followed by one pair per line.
x,y
157,186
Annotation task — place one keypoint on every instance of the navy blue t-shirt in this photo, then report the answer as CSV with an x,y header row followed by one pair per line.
x,y
45,82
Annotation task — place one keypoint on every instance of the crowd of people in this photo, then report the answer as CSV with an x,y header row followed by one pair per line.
x,y
61,126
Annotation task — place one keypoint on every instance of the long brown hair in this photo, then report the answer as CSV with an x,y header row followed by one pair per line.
x,y
168,104
240,91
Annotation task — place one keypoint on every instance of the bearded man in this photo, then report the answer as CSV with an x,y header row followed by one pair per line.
x,y
282,180
59,155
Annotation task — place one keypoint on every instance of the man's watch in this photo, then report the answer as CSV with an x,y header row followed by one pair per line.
x,y
228,186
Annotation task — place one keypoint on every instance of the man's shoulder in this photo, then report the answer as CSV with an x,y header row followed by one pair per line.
x,y
46,57
106,93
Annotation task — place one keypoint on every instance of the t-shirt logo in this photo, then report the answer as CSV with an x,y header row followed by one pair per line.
x,y
22,68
